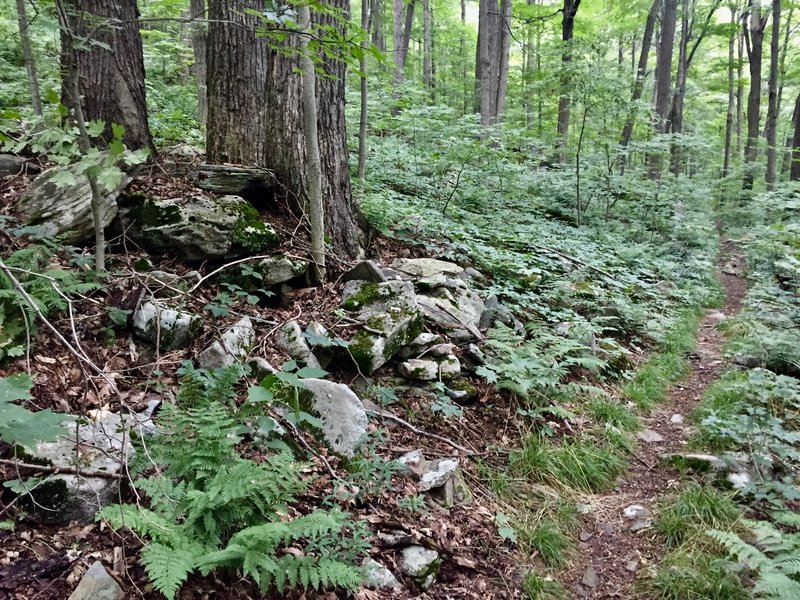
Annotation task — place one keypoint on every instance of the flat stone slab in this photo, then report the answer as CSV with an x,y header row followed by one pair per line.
x,y
650,436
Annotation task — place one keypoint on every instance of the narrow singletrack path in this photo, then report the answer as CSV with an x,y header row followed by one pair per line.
x,y
613,548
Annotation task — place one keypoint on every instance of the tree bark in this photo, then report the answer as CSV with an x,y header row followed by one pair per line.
x,y
255,108
570,9
402,37
426,44
486,73
197,10
109,65
794,170
676,113
641,73
378,37
754,40
664,79
363,116
771,129
729,117
739,92
504,31
27,56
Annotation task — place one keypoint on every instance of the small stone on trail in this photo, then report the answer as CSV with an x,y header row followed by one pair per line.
x,y
716,317
590,578
650,437
421,565
97,584
636,511
605,528
639,525
585,536
631,566
739,480
378,576
676,418
436,473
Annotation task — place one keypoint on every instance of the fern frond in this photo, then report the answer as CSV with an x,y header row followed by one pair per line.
x,y
168,567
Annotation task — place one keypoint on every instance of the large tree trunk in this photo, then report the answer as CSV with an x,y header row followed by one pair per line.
x,y
726,165
378,37
739,92
504,31
109,68
362,121
27,56
754,41
403,20
255,108
676,114
197,10
427,61
794,171
641,72
567,27
771,129
664,78
486,66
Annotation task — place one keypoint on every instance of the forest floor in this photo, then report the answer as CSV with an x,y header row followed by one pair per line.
x,y
614,548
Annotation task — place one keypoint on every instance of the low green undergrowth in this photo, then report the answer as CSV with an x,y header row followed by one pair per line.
x,y
694,510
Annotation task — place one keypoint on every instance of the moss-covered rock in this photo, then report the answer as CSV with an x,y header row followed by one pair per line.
x,y
199,228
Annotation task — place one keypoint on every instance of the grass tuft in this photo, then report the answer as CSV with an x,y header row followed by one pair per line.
x,y
695,575
539,587
548,540
582,464
696,509
613,413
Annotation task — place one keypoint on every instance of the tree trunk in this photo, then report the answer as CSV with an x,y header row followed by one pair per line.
x,y
378,37
109,67
739,92
567,26
426,44
726,165
402,37
504,31
462,46
316,213
771,129
27,56
362,122
754,40
486,74
641,72
197,10
255,108
794,170
664,79
784,51
676,114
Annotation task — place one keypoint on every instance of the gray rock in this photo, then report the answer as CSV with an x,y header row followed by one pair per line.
x,y
746,360
489,314
639,525
442,350
590,578
469,274
344,420
419,345
453,309
419,369
199,228
378,577
11,165
676,419
716,317
290,339
413,463
449,367
227,179
179,159
650,436
279,269
632,566
101,444
366,270
233,346
585,536
636,511
425,267
97,584
67,210
390,316
735,266
260,367
435,473
421,565
165,278
169,328
739,480
475,354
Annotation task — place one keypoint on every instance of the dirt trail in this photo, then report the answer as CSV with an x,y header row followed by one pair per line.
x,y
610,555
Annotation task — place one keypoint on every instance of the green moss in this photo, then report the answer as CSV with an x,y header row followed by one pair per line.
x,y
251,232
412,331
150,214
367,293
361,350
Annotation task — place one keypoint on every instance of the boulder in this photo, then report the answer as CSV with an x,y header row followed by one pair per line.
x,y
227,179
425,267
390,316
453,309
169,328
11,165
449,367
378,577
419,369
97,584
291,340
366,270
103,445
199,228
419,344
233,346
67,210
435,473
412,463
181,158
421,565
344,420
279,269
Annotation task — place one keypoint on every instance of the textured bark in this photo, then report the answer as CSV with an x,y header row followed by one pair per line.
x,y
378,37
491,64
754,41
567,27
771,129
739,92
641,72
403,20
427,62
729,117
676,113
197,11
664,79
255,108
111,75
794,170
363,108
504,26
27,56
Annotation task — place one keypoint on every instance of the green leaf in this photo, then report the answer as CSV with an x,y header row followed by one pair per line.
x,y
63,178
95,128
258,393
311,373
110,178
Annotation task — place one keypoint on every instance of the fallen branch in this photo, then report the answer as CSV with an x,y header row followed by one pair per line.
x,y
54,470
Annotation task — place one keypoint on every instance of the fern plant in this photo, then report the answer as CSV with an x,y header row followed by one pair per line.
x,y
211,508
774,556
